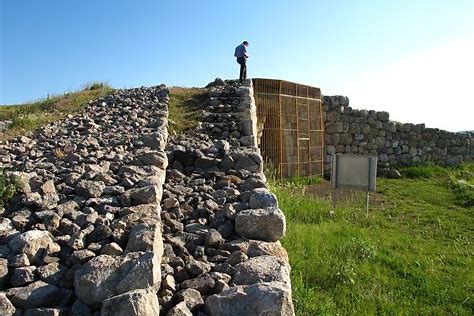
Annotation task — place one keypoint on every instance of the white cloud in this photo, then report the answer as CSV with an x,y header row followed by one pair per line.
x,y
435,87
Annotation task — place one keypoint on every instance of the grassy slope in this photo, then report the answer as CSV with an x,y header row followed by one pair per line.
x,y
183,108
413,255
30,116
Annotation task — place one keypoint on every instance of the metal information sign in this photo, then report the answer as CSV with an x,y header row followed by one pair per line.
x,y
357,172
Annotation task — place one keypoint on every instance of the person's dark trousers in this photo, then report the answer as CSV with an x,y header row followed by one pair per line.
x,y
243,68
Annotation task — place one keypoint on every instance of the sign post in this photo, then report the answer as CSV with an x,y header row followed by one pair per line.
x,y
357,172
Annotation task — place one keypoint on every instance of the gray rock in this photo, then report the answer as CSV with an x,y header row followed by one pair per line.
x,y
48,194
262,269
262,198
260,248
112,249
191,297
3,273
146,236
90,189
236,257
203,283
80,309
37,294
133,303
214,238
262,224
6,307
154,158
6,229
22,276
269,299
41,311
196,267
180,310
106,276
145,195
17,261
35,244
455,161
52,273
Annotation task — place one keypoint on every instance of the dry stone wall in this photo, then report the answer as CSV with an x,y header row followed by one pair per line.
x,y
114,218
221,224
84,237
353,131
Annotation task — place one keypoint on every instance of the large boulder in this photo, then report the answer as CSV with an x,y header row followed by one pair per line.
x,y
262,269
146,236
263,224
37,294
35,244
105,276
133,303
262,299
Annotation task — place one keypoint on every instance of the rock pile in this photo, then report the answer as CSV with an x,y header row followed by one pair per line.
x,y
221,225
85,235
353,131
98,231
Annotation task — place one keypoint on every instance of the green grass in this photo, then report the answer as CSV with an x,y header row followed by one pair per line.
x,y
183,108
413,254
30,116
7,189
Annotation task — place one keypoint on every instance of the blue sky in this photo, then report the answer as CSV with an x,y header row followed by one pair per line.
x,y
347,47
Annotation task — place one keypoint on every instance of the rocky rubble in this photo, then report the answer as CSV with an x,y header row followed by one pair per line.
x,y
98,231
221,225
84,237
353,131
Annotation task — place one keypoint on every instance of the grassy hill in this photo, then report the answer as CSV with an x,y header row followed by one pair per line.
x,y
413,254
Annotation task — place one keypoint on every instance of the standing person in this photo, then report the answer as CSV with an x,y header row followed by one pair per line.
x,y
241,54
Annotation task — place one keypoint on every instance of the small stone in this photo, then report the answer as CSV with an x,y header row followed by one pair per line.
x,y
169,283
204,283
90,189
214,238
22,276
133,303
112,249
17,261
236,257
6,307
37,294
180,310
3,273
191,297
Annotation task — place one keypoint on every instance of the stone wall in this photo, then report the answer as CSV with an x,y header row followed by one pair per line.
x,y
353,131
84,237
114,218
221,223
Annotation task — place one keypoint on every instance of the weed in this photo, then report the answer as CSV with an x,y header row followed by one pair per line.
x,y
8,189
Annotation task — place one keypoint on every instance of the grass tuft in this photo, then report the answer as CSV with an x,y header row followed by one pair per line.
x,y
8,189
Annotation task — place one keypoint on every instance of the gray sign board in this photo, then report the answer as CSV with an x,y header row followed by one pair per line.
x,y
354,171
